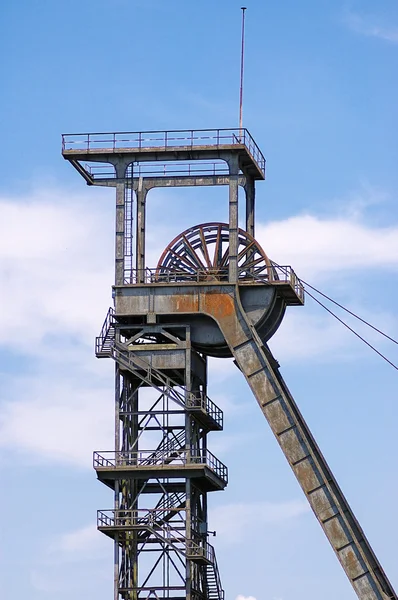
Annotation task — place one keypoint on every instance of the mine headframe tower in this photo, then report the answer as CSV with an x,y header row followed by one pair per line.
x,y
214,292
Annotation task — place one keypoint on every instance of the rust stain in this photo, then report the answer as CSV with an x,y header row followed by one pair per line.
x,y
218,305
352,565
306,475
187,303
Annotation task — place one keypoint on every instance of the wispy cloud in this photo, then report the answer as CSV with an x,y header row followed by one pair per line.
x,y
56,291
371,26
55,275
333,252
248,517
85,542
322,247
70,561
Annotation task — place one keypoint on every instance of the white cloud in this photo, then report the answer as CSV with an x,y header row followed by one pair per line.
x,y
325,247
370,26
221,369
56,272
56,264
317,335
85,542
55,267
245,597
71,561
339,252
57,419
302,336
247,518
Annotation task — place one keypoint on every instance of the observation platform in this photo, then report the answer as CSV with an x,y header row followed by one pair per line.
x,y
123,148
209,473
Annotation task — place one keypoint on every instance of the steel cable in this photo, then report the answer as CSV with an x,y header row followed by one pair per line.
x,y
347,310
307,285
353,330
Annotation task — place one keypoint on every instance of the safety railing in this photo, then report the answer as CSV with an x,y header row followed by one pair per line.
x,y
168,169
204,550
159,523
146,458
204,403
147,373
215,591
171,532
138,516
168,448
141,140
106,338
274,274
164,275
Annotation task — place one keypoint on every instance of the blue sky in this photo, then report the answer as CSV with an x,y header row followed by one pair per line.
x,y
320,100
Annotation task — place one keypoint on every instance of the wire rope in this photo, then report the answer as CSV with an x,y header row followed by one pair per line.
x,y
348,311
353,331
307,285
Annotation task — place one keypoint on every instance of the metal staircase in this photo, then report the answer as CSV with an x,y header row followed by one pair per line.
x,y
164,526
170,504
201,405
106,338
213,581
168,449
170,534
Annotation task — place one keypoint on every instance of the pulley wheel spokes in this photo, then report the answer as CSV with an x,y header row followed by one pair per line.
x,y
202,252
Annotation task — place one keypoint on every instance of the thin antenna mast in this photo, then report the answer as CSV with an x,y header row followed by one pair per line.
x,y
241,69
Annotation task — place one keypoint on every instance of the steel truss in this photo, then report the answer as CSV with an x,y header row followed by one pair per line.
x,y
161,469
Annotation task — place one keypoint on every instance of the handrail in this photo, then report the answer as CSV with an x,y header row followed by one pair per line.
x,y
111,459
169,532
160,169
189,400
169,446
128,358
152,520
108,321
114,141
274,275
217,576
121,517
101,339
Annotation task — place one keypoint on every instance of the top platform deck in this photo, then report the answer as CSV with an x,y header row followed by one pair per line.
x,y
199,144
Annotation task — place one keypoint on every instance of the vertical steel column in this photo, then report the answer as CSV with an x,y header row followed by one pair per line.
x,y
233,218
250,192
117,487
119,242
140,243
188,449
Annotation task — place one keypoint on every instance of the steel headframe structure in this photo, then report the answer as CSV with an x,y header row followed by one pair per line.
x,y
214,292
